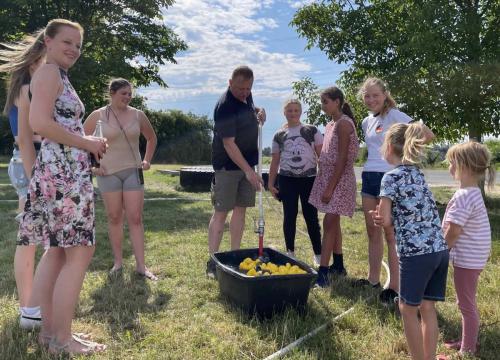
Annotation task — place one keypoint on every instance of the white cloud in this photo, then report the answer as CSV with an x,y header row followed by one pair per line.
x,y
298,4
222,34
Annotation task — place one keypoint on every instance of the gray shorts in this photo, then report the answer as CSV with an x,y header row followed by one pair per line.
x,y
17,175
124,180
230,189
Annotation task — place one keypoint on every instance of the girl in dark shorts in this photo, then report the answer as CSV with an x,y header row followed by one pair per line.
x,y
407,204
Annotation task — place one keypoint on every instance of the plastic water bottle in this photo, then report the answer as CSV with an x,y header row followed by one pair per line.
x,y
97,133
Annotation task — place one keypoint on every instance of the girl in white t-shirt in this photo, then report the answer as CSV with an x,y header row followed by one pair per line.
x,y
468,234
383,114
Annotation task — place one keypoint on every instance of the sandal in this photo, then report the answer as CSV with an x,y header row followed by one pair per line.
x,y
453,344
147,275
442,357
115,271
44,340
85,347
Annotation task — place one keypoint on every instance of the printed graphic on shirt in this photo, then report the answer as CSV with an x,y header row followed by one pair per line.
x,y
414,211
297,157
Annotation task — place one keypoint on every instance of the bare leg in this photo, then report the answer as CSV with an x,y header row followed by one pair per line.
x,y
215,230
375,243
67,290
329,238
393,260
413,332
337,244
46,275
24,266
236,226
430,329
113,202
133,201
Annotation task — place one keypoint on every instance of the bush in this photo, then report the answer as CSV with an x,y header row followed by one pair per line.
x,y
494,147
182,138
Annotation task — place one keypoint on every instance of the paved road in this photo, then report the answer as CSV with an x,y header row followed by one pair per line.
x,y
434,177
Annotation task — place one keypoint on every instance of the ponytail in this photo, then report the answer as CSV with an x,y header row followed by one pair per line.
x,y
414,146
407,142
474,158
346,109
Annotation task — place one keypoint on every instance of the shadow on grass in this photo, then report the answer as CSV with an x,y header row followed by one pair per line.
x,y
121,300
16,343
290,324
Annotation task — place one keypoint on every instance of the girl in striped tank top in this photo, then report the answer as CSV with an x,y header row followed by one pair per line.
x,y
468,234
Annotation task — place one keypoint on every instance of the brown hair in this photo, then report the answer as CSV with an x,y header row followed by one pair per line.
x,y
243,71
473,157
407,142
17,59
389,102
117,84
334,93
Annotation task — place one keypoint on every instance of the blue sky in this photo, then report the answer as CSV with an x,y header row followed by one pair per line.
x,y
222,34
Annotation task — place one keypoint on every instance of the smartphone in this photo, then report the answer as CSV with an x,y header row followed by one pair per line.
x,y
140,174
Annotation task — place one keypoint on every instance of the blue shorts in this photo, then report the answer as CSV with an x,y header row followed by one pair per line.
x,y
370,183
423,277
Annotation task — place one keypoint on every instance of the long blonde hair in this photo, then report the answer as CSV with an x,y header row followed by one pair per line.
x,y
407,142
17,59
389,102
473,157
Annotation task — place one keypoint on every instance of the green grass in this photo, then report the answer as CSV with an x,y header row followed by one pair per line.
x,y
182,316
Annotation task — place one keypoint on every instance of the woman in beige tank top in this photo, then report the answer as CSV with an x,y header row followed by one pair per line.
x,y
119,175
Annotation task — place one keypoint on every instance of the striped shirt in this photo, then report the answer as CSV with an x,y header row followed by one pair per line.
x,y
466,209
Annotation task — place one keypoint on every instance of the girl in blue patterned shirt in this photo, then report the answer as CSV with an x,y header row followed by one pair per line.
x,y
408,204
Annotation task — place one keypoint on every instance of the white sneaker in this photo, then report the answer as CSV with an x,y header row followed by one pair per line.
x,y
316,260
30,322
291,254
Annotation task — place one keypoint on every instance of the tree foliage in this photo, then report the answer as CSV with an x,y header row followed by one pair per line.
x,y
439,57
123,38
182,138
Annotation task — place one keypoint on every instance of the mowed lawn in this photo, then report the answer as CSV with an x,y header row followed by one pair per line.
x,y
182,316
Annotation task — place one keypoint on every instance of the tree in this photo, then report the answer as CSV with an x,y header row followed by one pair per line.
x,y
123,38
182,137
439,57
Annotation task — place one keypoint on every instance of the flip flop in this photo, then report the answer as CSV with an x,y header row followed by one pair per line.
x,y
115,271
453,344
147,275
90,347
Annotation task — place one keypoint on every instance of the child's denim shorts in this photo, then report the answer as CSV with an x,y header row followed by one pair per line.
x,y
370,183
17,175
423,277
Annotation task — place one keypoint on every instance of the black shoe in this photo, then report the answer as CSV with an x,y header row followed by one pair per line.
x,y
388,297
337,272
366,282
211,269
323,280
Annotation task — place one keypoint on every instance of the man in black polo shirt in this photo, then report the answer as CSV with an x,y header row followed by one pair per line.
x,y
234,155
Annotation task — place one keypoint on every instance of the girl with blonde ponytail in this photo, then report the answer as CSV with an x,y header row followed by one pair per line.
x,y
407,205
19,61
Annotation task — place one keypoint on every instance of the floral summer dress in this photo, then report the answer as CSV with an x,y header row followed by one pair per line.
x,y
343,200
59,210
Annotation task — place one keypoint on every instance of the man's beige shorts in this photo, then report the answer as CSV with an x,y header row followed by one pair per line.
x,y
231,189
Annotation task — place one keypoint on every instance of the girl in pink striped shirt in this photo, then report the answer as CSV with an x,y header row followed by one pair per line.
x,y
468,233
